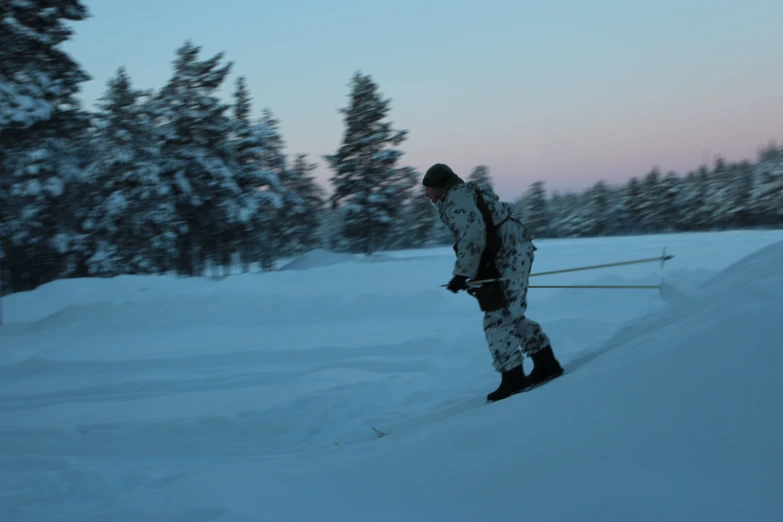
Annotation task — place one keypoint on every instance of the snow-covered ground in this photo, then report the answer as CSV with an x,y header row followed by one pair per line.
x,y
256,398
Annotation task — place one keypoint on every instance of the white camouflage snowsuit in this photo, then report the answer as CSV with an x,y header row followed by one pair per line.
x,y
506,329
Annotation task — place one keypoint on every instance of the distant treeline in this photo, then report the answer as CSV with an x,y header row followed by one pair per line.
x,y
727,195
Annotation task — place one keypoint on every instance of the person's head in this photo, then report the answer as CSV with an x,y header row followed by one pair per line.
x,y
438,178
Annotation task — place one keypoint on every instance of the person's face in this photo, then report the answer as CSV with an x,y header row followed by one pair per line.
x,y
433,194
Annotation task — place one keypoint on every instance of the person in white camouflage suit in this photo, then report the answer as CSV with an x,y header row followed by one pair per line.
x,y
504,303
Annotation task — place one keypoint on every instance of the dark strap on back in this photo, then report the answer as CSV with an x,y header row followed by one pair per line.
x,y
492,239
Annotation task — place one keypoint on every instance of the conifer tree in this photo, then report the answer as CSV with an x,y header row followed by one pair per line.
x,y
307,220
480,176
634,204
767,192
367,183
670,187
285,235
41,129
200,160
597,212
651,202
132,221
423,219
536,213
261,190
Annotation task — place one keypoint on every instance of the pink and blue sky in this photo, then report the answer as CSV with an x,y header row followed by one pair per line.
x,y
567,92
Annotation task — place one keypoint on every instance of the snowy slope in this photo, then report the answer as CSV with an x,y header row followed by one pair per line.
x,y
255,398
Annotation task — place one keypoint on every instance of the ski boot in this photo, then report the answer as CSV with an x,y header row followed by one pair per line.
x,y
513,381
545,368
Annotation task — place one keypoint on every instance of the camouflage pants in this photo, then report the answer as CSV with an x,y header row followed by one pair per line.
x,y
508,329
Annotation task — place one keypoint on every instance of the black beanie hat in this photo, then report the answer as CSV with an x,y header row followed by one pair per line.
x,y
437,176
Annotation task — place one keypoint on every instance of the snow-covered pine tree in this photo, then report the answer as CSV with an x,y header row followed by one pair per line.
x,y
616,211
261,190
553,204
273,157
520,203
242,107
366,180
132,220
311,198
670,187
634,206
597,211
536,214
737,205
689,201
423,219
579,222
480,175
331,231
770,152
414,223
767,193
651,219
199,159
286,234
398,200
703,218
564,211
720,179
41,127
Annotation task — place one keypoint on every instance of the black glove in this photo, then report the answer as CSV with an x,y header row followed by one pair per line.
x,y
457,283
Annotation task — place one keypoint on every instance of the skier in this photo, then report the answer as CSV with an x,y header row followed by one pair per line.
x,y
489,242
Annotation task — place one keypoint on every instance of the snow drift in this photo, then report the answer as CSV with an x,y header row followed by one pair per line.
x,y
258,397
317,258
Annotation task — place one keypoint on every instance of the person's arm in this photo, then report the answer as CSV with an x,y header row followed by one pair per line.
x,y
464,219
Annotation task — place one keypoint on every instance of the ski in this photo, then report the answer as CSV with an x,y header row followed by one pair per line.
x,y
533,386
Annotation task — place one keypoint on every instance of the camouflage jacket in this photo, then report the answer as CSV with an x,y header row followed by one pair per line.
x,y
460,213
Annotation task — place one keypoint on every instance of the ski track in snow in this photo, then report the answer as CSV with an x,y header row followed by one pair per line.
x,y
113,389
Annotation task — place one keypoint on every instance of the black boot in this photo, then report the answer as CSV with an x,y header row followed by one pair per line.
x,y
545,367
512,381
